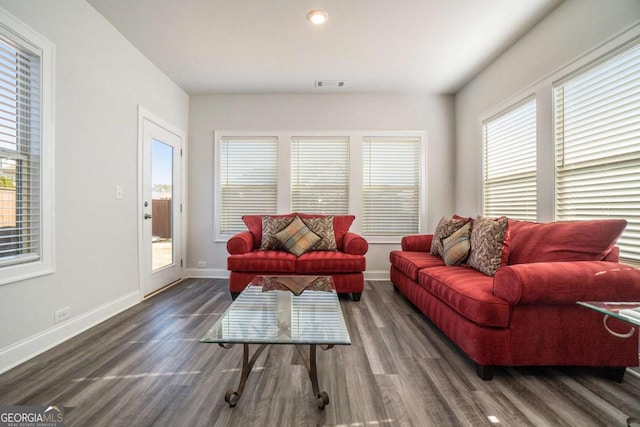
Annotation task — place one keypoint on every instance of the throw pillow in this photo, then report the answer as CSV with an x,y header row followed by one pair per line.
x,y
341,224
323,227
487,240
271,226
457,246
297,238
444,229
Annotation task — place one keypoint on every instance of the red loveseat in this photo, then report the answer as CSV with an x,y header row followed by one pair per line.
x,y
526,314
346,264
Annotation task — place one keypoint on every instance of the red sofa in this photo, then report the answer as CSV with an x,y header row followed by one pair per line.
x,y
346,265
526,314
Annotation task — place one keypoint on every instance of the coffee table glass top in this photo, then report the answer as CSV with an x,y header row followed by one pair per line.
x,y
627,311
269,311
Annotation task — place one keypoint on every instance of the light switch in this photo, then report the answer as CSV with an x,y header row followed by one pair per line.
x,y
118,192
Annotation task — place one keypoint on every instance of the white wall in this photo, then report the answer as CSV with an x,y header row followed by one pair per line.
x,y
573,29
100,81
311,112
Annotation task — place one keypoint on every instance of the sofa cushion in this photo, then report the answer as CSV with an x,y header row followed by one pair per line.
x,y
270,227
323,227
488,248
444,229
261,261
410,263
297,238
457,246
325,262
468,292
590,240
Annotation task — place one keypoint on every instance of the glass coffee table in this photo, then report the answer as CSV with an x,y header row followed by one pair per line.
x,y
299,310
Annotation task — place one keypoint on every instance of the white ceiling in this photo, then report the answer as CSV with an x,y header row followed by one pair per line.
x,y
432,46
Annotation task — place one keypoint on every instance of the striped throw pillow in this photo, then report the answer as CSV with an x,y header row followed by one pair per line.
x,y
297,238
457,246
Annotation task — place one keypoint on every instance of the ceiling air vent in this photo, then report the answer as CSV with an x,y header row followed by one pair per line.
x,y
330,83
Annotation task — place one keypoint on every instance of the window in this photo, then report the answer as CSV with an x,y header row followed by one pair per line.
x,y
391,186
597,136
320,175
509,160
277,172
248,179
26,141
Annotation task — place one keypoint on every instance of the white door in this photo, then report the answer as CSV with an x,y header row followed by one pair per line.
x,y
161,206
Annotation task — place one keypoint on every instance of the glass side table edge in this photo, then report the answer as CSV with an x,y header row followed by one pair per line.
x,y
625,311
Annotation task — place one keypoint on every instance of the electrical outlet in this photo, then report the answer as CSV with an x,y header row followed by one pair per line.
x,y
61,315
202,264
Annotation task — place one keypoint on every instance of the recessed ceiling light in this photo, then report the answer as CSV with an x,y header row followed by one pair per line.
x,y
317,17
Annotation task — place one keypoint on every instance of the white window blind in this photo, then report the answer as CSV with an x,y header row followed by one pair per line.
x,y
509,181
391,186
597,130
20,153
249,180
320,175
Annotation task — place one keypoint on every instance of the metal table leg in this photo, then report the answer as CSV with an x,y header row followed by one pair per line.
x,y
322,398
231,396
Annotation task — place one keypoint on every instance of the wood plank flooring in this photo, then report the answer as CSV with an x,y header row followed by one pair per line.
x,y
145,367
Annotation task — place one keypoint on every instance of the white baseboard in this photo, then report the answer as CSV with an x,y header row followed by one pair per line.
x,y
377,275
206,273
28,348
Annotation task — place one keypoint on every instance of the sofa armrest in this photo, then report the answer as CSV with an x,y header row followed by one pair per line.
x,y
417,243
241,243
567,282
355,244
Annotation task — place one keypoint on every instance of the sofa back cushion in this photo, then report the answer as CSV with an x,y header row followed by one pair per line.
x,y
590,240
341,224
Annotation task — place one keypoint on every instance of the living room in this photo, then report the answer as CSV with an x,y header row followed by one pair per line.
x,y
101,81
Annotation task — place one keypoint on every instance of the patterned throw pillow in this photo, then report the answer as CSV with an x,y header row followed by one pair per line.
x,y
270,226
297,238
445,228
457,246
487,240
323,227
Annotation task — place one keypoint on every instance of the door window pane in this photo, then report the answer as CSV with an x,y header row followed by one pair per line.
x,y
161,199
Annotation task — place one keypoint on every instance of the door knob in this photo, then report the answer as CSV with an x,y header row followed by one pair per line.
x,y
147,216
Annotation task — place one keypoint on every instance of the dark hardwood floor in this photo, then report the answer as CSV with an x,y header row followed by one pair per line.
x,y
146,367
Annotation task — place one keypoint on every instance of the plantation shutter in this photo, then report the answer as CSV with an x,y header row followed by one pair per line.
x,y
597,130
20,151
509,182
391,186
320,175
249,179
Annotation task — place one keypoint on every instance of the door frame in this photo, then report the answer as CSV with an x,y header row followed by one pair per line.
x,y
144,114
